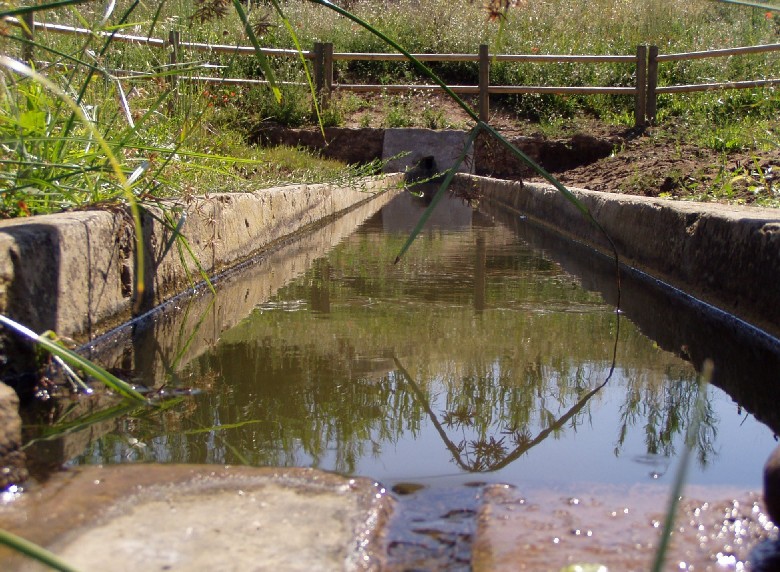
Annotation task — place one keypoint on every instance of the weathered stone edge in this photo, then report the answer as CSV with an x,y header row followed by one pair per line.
x,y
728,256
74,273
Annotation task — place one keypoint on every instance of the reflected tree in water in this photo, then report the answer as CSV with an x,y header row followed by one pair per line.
x,y
663,410
353,356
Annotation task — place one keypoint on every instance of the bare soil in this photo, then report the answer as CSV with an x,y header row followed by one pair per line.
x,y
657,161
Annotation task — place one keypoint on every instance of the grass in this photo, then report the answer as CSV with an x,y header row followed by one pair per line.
x,y
168,131
168,139
551,28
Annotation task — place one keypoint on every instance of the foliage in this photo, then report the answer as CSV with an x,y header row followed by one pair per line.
x,y
73,359
548,28
153,126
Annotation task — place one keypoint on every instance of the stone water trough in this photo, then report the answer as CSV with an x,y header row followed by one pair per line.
x,y
74,273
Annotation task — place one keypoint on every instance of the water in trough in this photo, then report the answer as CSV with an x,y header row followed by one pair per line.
x,y
491,353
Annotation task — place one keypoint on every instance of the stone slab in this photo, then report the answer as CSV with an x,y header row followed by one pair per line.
x,y
201,518
445,146
12,459
616,527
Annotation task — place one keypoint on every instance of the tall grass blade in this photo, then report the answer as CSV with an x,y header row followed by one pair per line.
x,y
135,175
123,102
679,479
34,551
108,40
107,13
440,193
61,429
155,18
265,65
183,247
75,360
188,337
54,51
312,88
124,409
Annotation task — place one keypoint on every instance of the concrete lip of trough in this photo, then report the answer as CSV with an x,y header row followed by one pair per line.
x,y
202,518
727,256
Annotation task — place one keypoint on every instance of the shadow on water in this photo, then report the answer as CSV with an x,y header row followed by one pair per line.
x,y
746,360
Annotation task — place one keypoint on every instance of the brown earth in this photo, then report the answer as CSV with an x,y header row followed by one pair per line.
x,y
652,162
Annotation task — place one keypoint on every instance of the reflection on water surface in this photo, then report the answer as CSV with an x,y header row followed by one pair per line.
x,y
474,358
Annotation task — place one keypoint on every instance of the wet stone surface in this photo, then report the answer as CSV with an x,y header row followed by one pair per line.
x,y
620,530
191,518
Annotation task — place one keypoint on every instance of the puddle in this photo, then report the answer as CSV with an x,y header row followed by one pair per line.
x,y
491,353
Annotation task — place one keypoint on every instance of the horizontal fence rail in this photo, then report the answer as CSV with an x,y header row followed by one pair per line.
x,y
325,57
645,92
654,59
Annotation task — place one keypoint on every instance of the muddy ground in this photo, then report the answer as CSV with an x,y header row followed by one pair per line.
x,y
656,161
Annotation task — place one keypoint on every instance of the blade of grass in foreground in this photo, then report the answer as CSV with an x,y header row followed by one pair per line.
x,y
440,193
34,551
312,89
265,65
679,478
72,358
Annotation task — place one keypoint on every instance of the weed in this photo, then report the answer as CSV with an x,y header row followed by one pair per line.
x,y
433,118
398,113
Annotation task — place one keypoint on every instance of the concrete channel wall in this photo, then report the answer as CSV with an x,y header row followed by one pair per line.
x,y
727,256
74,273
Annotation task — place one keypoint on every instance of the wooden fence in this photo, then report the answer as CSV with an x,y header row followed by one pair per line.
x,y
645,90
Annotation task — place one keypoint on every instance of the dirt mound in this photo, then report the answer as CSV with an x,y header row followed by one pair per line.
x,y
651,162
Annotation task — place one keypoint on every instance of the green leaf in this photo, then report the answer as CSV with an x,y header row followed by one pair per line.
x,y
265,65
75,360
32,121
34,551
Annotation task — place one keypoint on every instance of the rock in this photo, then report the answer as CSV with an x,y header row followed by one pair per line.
x,y
11,458
200,517
772,485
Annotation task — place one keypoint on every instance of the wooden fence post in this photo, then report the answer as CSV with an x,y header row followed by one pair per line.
x,y
29,33
652,83
174,37
484,82
327,70
640,107
319,70
323,72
